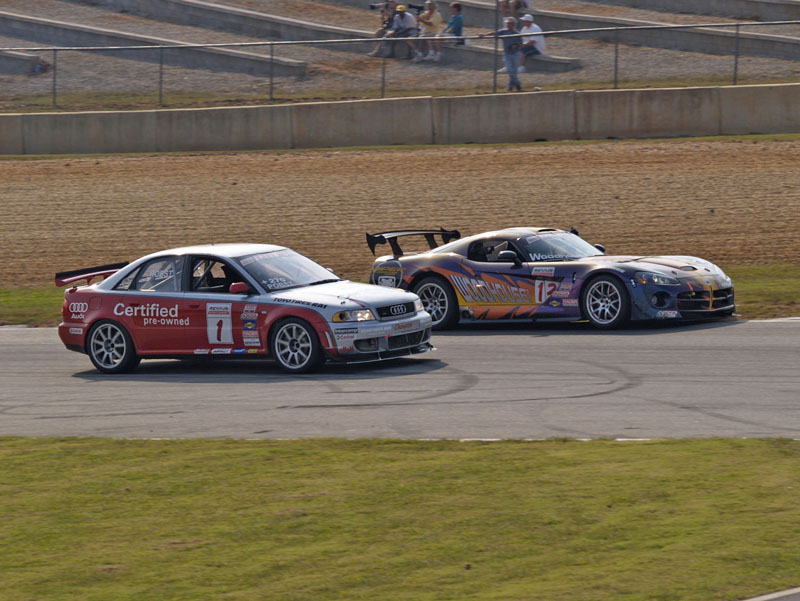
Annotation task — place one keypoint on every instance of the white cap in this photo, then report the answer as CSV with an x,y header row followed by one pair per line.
x,y
527,18
509,20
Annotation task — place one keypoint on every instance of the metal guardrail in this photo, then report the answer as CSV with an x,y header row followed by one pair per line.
x,y
272,44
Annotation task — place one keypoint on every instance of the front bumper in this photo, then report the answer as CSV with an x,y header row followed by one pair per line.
x,y
681,302
378,340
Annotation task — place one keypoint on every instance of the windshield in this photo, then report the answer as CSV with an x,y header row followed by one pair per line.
x,y
284,269
557,246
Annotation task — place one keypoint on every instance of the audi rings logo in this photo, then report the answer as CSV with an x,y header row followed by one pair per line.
x,y
397,309
78,307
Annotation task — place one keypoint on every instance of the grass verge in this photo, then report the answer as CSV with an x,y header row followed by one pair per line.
x,y
172,99
762,291
694,520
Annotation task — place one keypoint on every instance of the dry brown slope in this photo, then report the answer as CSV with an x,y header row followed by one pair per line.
x,y
731,201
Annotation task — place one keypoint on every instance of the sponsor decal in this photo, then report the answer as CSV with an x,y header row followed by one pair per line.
x,y
399,327
543,257
201,351
249,324
551,271
666,314
239,351
554,303
249,312
388,274
276,282
565,286
251,338
76,330
347,349
78,307
252,351
561,293
220,351
218,323
478,291
153,314
570,302
297,301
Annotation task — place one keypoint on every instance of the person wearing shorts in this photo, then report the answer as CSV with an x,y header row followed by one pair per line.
x,y
431,22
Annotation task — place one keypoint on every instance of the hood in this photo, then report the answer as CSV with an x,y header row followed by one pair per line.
x,y
673,265
345,292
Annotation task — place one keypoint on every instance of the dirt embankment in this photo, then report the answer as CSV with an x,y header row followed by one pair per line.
x,y
731,201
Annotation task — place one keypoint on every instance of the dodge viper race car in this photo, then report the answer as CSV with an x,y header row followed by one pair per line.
x,y
235,300
545,273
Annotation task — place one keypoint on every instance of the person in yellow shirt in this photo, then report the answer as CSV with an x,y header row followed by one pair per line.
x,y
430,23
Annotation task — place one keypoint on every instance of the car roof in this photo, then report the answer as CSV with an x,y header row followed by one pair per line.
x,y
511,232
228,250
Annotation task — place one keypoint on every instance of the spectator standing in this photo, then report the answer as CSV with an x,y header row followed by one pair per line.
x,y
532,44
509,7
431,25
511,51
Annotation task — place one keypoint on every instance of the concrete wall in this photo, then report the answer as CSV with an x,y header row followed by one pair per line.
x,y
712,41
50,32
448,120
758,10
19,62
507,118
238,20
647,113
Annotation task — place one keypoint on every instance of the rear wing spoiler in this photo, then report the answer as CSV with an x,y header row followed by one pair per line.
x,y
87,273
391,238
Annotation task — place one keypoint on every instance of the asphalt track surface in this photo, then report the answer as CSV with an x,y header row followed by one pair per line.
x,y
731,379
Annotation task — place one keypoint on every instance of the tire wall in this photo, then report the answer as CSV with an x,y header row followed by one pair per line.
x,y
525,117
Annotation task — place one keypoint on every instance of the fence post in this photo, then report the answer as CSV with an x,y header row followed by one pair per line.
x,y
55,68
616,58
161,76
496,27
736,58
383,76
271,70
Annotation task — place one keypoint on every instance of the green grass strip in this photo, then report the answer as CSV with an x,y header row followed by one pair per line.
x,y
761,292
691,520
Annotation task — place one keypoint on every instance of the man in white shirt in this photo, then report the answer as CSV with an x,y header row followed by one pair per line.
x,y
531,44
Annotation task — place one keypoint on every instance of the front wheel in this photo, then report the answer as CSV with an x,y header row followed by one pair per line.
x,y
110,348
606,303
295,347
439,300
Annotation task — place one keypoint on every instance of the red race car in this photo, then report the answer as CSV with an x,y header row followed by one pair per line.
x,y
236,300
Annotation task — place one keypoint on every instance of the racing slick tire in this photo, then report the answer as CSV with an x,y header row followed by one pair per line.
x,y
295,346
439,300
110,347
606,303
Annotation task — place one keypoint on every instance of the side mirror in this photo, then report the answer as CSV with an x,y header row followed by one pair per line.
x,y
509,256
239,288
600,247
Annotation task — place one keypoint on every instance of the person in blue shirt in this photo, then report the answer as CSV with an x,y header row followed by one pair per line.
x,y
455,26
511,51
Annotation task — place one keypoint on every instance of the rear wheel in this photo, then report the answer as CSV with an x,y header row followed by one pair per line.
x,y
110,348
295,346
606,303
439,300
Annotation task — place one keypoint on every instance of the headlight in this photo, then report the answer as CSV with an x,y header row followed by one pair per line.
x,y
418,306
355,315
646,277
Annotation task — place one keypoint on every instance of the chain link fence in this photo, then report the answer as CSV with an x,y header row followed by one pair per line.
x,y
608,57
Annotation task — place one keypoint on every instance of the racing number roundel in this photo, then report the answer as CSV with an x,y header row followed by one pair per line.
x,y
218,323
